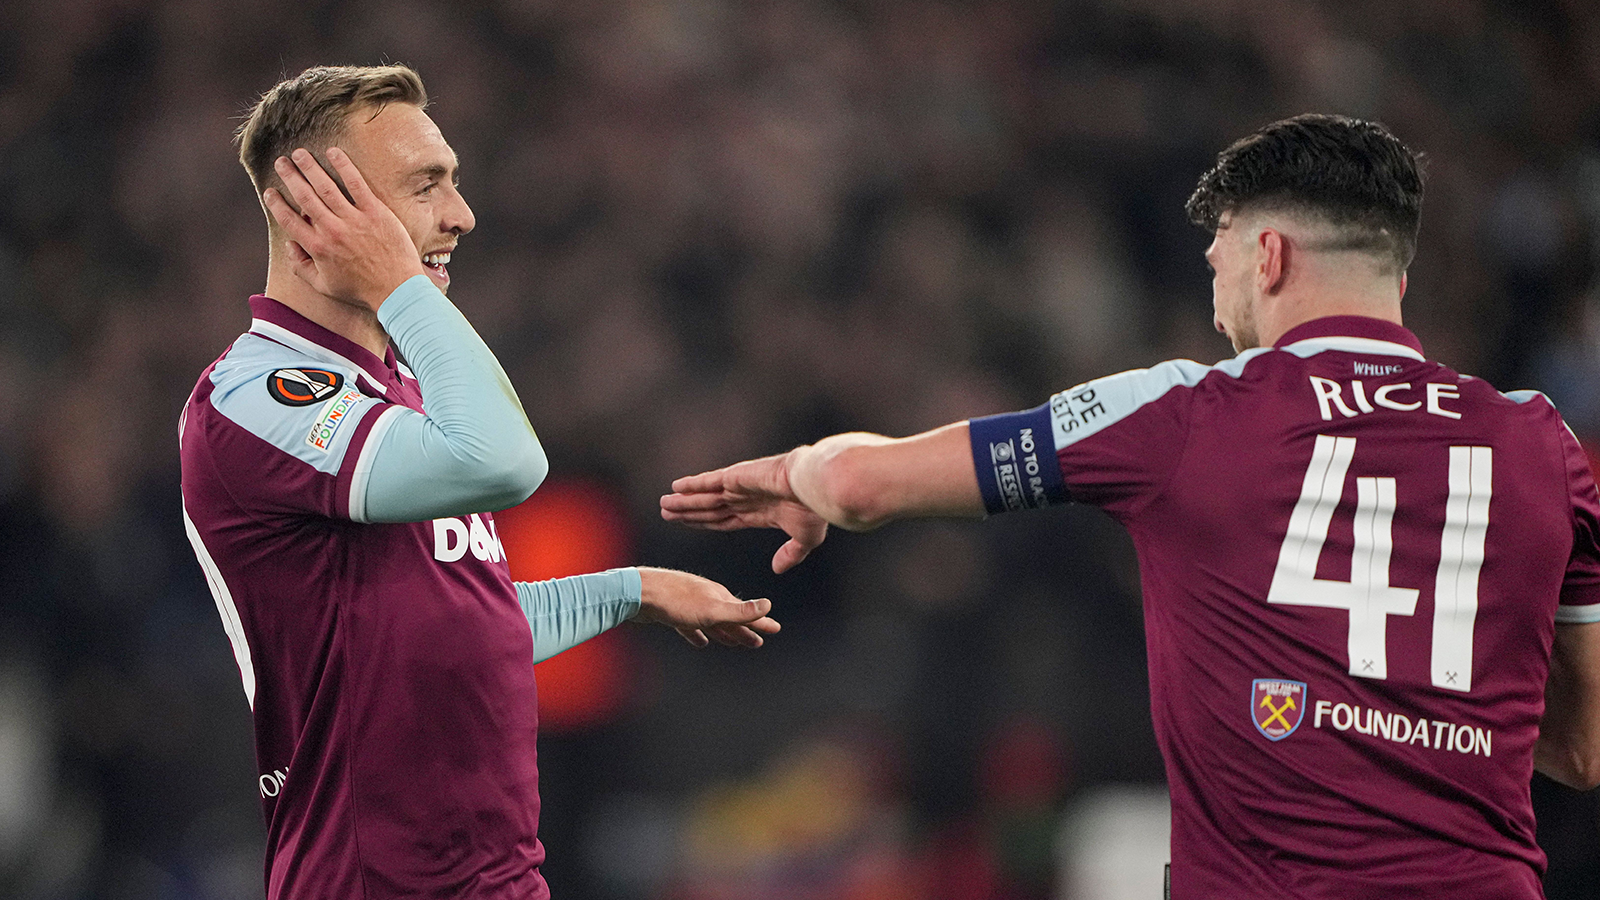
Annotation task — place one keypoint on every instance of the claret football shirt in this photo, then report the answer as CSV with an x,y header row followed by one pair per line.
x,y
389,667
1353,561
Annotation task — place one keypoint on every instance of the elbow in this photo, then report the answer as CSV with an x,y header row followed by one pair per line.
x,y
1583,772
1576,767
1583,776
513,474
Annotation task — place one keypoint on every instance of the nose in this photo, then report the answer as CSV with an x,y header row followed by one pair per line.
x,y
1217,324
458,218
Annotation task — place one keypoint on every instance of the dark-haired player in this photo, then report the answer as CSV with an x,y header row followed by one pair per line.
x,y
1359,566
339,505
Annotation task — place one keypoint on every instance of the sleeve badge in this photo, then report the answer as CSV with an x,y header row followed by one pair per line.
x,y
303,387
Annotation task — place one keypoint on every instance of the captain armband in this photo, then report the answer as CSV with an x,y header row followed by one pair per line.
x,y
1015,455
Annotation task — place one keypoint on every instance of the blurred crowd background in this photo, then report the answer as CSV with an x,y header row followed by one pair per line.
x,y
709,230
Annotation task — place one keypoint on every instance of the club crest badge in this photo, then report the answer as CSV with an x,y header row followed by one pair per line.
x,y
303,387
1277,706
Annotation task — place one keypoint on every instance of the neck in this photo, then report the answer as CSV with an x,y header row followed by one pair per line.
x,y
347,320
1303,299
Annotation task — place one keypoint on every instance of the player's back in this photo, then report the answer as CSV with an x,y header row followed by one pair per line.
x,y
1352,560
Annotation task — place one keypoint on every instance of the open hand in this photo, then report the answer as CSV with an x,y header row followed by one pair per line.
x,y
751,494
354,250
702,610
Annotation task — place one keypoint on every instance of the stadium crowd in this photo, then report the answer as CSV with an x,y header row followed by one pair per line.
x,y
706,231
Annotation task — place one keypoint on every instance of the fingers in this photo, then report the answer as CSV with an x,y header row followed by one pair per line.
x,y
730,634
736,636
703,519
747,625
705,482
692,502
696,508
360,194
713,521
701,610
300,190
293,223
752,475
327,190
751,610
791,554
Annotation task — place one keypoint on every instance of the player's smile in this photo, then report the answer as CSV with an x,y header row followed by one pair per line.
x,y
436,263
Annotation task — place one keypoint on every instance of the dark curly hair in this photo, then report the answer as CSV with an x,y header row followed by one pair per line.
x,y
1353,174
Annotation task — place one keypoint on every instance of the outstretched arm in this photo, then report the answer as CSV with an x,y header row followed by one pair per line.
x,y
1568,749
565,612
856,481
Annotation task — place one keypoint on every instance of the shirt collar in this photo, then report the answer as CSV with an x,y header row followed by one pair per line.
x,y
274,321
1358,334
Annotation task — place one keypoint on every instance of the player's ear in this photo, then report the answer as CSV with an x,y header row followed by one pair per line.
x,y
1272,252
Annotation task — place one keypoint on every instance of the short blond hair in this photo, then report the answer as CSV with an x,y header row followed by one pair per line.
x,y
310,110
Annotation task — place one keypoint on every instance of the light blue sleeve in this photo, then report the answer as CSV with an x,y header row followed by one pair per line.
x,y
565,612
474,451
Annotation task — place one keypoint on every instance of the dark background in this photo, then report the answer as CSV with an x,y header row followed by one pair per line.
x,y
709,230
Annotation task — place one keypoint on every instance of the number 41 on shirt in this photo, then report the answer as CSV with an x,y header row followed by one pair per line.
x,y
1368,595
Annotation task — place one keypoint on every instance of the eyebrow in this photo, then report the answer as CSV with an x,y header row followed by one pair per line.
x,y
434,170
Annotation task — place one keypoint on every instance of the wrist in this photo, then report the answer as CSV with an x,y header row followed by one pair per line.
x,y
377,297
646,585
407,294
798,475
831,479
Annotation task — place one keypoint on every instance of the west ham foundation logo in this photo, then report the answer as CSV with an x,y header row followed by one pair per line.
x,y
303,387
1277,706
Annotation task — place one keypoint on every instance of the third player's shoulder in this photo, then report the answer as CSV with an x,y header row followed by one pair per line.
x,y
1522,404
1536,403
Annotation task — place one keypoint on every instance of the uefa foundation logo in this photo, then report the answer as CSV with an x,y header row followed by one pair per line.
x,y
1277,706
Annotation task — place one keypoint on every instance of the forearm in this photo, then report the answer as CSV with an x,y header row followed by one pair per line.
x,y
474,450
860,481
565,612
1568,749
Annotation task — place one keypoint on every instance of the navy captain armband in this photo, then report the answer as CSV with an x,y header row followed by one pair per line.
x,y
1015,455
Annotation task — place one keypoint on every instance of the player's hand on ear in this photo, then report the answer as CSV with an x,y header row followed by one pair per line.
x,y
353,248
751,494
702,610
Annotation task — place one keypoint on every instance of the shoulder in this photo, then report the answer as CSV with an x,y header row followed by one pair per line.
x,y
278,372
1534,401
1164,391
289,400
1136,387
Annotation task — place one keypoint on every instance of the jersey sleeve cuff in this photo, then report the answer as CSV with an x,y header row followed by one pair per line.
x,y
632,591
375,428
1578,615
414,290
1015,457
